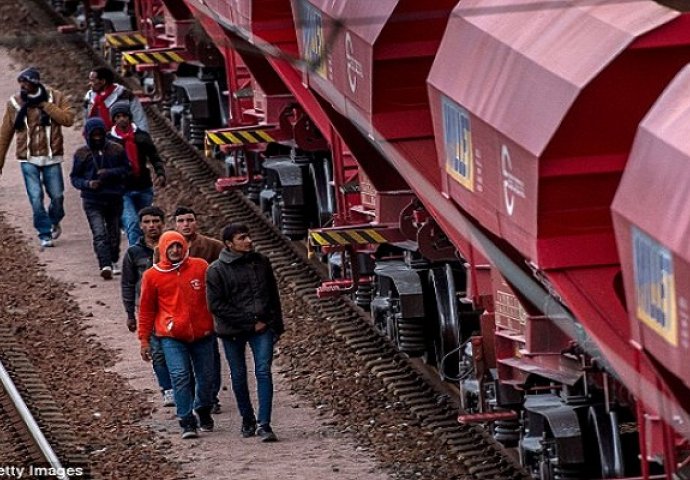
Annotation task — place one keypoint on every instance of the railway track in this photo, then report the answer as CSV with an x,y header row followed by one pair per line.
x,y
477,453
36,440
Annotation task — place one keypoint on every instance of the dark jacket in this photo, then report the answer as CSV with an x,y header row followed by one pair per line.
x,y
241,290
147,153
113,160
137,260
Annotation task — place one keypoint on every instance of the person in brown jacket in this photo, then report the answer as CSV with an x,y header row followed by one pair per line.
x,y
36,116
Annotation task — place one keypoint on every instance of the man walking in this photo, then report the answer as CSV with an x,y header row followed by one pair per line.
x,y
201,246
243,297
173,305
36,116
136,261
100,169
140,151
105,92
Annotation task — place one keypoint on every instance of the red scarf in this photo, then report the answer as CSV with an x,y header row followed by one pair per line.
x,y
127,137
99,107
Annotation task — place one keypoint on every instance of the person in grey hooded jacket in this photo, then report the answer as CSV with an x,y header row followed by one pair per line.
x,y
242,295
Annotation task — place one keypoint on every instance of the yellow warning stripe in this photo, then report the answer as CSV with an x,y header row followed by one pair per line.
x,y
125,39
150,58
239,137
347,237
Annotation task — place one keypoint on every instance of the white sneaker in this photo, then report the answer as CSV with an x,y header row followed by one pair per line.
x,y
168,398
116,270
107,273
46,242
56,231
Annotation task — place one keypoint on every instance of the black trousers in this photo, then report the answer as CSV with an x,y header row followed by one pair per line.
x,y
104,221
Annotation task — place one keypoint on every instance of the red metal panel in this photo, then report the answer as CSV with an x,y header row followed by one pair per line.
x,y
372,58
519,145
652,222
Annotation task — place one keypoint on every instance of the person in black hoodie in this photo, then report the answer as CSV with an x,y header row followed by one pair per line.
x,y
100,170
140,151
243,298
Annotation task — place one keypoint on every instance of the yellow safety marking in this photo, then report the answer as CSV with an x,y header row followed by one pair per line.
x,y
162,58
264,135
120,39
130,59
215,138
145,58
233,138
360,239
248,136
177,58
372,233
319,239
338,238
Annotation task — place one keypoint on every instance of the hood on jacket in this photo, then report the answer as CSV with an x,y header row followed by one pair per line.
x,y
229,256
93,124
167,239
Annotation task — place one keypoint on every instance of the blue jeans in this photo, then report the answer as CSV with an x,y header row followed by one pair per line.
x,y
216,369
262,350
182,359
36,179
133,201
104,221
160,368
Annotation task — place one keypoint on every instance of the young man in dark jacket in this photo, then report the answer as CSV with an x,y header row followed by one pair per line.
x,y
136,261
140,151
100,169
243,297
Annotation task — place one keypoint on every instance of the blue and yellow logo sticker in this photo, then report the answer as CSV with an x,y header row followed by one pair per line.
x,y
313,39
655,286
457,139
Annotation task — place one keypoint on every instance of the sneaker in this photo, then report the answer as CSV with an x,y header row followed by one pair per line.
x,y
205,419
168,398
56,231
248,428
266,434
116,270
189,432
107,273
216,408
46,242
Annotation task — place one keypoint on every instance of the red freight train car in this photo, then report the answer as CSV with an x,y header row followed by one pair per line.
x,y
456,162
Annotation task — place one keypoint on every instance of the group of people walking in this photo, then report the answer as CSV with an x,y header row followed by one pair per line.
x,y
185,303
182,291
110,170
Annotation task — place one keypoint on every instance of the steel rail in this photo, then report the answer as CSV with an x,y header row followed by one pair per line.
x,y
31,423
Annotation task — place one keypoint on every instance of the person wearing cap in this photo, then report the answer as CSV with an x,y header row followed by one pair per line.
x,y
100,170
173,306
36,116
105,92
140,151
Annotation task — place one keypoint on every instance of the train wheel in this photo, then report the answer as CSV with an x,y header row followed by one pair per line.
x,y
605,447
447,334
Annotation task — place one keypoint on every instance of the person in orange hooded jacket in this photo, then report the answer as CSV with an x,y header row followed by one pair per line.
x,y
173,305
